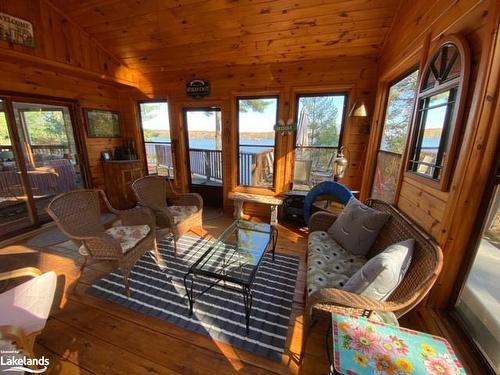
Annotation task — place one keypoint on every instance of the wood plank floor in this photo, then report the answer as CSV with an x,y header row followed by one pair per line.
x,y
87,335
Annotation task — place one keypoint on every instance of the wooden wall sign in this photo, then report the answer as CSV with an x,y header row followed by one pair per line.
x,y
16,30
198,88
281,127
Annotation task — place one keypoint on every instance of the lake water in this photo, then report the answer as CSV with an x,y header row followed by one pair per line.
x,y
209,144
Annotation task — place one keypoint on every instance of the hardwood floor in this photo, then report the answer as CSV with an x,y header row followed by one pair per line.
x,y
87,335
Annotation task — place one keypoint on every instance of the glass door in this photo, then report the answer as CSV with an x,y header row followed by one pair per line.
x,y
478,305
204,147
15,211
49,151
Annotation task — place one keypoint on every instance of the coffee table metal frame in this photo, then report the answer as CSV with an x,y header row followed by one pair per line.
x,y
244,287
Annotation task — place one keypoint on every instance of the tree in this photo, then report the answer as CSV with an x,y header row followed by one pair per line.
x,y
46,127
254,105
399,112
4,131
322,120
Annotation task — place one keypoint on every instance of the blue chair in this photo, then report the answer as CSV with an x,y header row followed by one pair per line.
x,y
339,191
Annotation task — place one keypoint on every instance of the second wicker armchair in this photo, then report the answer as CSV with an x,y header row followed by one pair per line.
x,y
178,211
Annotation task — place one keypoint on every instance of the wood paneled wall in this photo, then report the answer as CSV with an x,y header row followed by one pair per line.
x,y
68,64
357,76
418,29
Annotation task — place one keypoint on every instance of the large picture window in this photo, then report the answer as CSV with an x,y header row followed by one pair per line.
x,y
320,120
157,141
440,105
397,121
256,119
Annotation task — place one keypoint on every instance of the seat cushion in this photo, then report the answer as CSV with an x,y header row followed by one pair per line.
x,y
328,264
181,213
382,274
128,236
28,304
357,227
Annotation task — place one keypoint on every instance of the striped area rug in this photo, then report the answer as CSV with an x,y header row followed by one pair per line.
x,y
219,313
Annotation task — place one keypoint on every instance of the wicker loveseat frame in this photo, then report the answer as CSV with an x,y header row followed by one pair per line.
x,y
424,269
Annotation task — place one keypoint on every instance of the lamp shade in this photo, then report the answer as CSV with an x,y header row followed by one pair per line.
x,y
358,110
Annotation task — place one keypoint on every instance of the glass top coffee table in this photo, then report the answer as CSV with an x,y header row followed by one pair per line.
x,y
232,262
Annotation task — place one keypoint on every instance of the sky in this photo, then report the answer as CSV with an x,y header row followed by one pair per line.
x,y
198,121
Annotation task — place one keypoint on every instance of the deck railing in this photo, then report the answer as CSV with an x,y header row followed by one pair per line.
x,y
42,150
207,164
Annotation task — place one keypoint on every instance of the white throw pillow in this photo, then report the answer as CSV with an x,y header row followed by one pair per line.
x,y
357,227
381,275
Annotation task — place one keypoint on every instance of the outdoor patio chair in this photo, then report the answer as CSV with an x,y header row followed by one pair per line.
x,y
26,307
78,215
180,212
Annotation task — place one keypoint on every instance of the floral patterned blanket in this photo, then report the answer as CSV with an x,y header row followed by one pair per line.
x,y
363,347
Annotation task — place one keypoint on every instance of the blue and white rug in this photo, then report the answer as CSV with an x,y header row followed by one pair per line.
x,y
219,313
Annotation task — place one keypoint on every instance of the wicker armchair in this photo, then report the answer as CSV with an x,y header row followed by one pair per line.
x,y
424,269
78,215
179,212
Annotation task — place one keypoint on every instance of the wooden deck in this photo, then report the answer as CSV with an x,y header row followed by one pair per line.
x,y
88,335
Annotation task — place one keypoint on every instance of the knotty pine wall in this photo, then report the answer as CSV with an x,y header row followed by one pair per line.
x,y
66,63
418,29
356,76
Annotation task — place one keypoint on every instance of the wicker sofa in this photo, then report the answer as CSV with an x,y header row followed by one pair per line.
x,y
422,274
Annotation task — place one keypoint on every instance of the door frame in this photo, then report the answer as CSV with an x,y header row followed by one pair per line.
x,y
203,108
79,135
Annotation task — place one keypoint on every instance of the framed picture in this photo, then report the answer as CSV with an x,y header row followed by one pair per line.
x,y
106,155
102,124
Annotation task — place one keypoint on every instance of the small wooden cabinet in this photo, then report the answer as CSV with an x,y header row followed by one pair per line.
x,y
118,178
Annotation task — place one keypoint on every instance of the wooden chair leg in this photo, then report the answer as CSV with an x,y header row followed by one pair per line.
x,y
127,284
308,324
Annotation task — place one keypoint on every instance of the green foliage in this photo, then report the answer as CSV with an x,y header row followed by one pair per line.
x,y
323,120
4,131
399,112
150,110
254,105
46,127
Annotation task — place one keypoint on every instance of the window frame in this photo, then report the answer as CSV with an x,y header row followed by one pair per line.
x,y
172,141
448,144
414,68
343,121
237,113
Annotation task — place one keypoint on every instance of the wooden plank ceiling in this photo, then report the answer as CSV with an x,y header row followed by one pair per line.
x,y
159,35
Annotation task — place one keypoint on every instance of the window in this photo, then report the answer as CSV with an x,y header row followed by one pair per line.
x,y
398,115
440,105
320,119
157,142
256,119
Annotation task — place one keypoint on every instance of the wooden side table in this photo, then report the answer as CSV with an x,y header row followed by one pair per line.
x,y
364,347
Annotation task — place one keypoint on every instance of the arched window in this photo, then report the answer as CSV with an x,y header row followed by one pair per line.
x,y
440,104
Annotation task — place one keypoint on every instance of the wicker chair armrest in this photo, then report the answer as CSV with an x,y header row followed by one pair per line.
x,y
21,272
103,246
137,216
166,216
333,296
321,221
187,199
